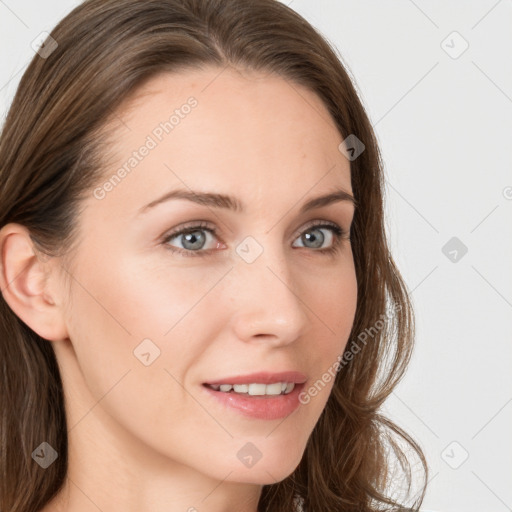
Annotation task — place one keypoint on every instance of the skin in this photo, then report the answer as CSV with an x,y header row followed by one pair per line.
x,y
146,438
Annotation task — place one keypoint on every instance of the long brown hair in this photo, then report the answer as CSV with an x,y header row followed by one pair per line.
x,y
51,156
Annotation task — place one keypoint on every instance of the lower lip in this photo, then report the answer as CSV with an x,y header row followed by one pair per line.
x,y
264,407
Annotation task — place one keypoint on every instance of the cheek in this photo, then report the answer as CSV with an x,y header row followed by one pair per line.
x,y
126,308
118,314
333,303
143,299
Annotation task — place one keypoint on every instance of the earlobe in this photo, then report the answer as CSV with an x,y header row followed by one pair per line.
x,y
25,284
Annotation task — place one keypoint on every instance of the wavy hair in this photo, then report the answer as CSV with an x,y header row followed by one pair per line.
x,y
51,157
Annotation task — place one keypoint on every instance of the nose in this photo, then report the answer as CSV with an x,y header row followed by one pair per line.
x,y
267,300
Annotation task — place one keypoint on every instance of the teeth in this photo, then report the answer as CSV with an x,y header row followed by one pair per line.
x,y
277,388
289,388
270,389
257,389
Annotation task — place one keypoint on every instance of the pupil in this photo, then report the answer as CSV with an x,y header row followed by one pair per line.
x,y
193,239
317,240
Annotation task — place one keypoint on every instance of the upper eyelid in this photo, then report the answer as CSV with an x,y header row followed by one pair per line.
x,y
316,222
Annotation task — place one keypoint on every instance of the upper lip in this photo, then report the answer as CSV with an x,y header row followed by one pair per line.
x,y
262,378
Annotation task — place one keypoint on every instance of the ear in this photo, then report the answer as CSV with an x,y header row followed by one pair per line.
x,y
25,283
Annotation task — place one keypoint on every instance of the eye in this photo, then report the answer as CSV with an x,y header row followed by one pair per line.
x,y
313,237
193,238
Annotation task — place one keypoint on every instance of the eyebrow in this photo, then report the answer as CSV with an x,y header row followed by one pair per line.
x,y
215,200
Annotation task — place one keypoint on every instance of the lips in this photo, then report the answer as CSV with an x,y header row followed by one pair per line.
x,y
266,407
261,378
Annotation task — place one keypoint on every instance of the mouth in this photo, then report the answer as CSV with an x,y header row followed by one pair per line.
x,y
256,400
259,384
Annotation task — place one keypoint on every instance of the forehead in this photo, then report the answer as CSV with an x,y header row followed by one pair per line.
x,y
217,128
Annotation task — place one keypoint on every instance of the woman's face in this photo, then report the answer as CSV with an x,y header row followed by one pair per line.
x,y
248,290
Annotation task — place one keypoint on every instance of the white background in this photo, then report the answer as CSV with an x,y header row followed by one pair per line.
x,y
444,126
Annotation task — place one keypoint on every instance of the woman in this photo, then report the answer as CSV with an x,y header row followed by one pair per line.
x,y
199,308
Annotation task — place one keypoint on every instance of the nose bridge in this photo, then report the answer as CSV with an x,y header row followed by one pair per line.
x,y
267,300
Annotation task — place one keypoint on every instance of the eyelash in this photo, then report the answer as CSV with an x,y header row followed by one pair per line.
x,y
339,235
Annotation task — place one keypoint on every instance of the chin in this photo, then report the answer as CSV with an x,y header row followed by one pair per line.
x,y
267,470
